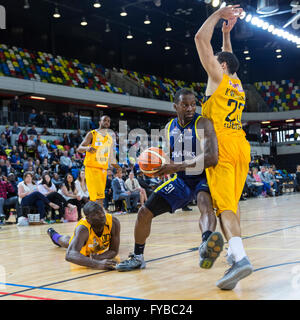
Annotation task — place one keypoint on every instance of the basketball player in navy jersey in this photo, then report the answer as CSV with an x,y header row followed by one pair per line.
x,y
183,187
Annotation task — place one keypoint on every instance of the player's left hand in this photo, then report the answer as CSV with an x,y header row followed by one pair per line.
x,y
167,169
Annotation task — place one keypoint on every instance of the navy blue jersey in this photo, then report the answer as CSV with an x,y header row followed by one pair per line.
x,y
184,144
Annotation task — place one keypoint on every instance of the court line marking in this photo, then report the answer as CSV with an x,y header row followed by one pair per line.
x,y
31,297
62,290
276,265
152,260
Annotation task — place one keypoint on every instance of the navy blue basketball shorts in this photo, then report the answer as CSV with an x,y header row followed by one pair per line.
x,y
175,193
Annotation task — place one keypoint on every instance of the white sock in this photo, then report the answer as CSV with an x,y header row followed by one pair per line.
x,y
229,251
237,248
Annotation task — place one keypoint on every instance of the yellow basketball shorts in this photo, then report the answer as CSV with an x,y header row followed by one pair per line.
x,y
95,182
227,179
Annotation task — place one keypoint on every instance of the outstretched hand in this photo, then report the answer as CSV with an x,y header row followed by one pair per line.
x,y
230,12
227,26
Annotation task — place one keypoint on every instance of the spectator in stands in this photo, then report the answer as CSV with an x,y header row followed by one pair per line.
x,y
38,173
108,189
16,161
265,178
134,187
15,107
70,193
28,163
21,151
54,156
120,192
31,146
41,119
57,180
144,183
45,164
254,187
15,131
45,132
72,140
32,130
5,187
3,143
7,133
12,180
297,179
256,176
43,151
49,190
274,183
65,141
9,168
3,167
23,138
73,121
78,138
32,116
15,128
29,196
81,187
65,163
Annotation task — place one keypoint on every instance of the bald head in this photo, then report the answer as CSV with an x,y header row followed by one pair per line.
x,y
104,122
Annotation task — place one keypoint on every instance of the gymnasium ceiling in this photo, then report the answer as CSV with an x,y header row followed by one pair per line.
x,y
35,28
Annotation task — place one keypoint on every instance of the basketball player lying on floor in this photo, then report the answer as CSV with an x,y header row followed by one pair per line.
x,y
183,187
96,239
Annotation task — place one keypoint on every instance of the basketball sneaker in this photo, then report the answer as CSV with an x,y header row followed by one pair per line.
x,y
133,262
233,275
210,249
51,232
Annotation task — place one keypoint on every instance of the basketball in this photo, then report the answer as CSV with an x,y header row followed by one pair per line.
x,y
151,160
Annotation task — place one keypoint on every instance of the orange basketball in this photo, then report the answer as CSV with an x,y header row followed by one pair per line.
x,y
150,160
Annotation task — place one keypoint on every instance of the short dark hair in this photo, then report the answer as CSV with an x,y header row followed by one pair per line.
x,y
231,60
182,92
91,207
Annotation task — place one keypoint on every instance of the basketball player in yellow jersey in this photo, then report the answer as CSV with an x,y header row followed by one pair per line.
x,y
96,239
224,103
98,146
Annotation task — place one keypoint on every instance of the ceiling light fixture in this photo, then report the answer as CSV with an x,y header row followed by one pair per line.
x,y
123,13
129,35
26,4
168,27
97,4
167,46
147,20
56,13
83,22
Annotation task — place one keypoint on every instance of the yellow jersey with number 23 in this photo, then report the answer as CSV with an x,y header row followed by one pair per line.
x,y
225,107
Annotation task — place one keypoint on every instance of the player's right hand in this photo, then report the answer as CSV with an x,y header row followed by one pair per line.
x,y
108,264
230,12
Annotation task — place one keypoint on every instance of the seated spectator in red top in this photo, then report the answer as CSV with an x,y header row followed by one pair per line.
x,y
5,188
23,138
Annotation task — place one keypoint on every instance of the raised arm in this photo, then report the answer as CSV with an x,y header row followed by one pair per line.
x,y
203,41
226,28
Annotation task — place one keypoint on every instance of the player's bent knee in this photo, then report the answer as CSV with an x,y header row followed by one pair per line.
x,y
144,214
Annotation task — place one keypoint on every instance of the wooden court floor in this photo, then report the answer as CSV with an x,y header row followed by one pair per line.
x,y
33,268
